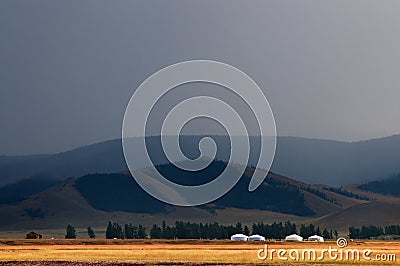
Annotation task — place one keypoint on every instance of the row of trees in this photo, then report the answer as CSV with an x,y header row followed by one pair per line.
x,y
130,231
365,232
274,230
310,230
187,230
182,230
281,230
114,230
214,230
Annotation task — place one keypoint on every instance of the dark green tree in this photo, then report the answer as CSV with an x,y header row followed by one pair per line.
x,y
130,231
71,233
119,233
90,232
155,232
307,231
195,230
114,231
303,230
246,230
392,230
289,228
180,230
354,233
325,234
169,232
336,234
239,228
110,234
311,230
141,232
163,229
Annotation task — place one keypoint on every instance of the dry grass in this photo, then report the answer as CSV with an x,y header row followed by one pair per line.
x,y
159,252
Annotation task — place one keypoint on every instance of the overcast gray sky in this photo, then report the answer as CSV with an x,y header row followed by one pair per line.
x,y
330,69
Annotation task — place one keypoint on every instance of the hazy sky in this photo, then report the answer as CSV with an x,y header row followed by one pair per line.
x,y
330,69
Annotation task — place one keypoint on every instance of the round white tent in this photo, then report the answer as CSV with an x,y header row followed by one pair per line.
x,y
239,237
293,237
316,238
256,238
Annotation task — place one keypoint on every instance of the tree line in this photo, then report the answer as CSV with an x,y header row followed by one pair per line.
x,y
388,186
366,232
281,230
113,230
129,231
346,193
187,230
212,230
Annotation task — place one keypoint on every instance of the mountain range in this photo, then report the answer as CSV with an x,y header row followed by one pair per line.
x,y
91,186
95,199
311,161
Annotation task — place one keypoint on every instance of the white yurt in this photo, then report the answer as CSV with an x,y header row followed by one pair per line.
x,y
256,238
316,238
239,237
293,237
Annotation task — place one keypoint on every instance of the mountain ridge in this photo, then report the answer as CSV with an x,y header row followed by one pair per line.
x,y
312,161
54,207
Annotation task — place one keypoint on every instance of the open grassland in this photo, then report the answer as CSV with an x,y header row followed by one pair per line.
x,y
157,252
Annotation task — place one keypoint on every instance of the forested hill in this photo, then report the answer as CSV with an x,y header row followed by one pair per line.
x,y
389,186
119,192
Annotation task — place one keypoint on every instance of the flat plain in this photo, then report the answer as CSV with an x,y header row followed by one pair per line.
x,y
190,252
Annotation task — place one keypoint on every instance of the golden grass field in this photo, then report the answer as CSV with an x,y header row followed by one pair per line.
x,y
198,252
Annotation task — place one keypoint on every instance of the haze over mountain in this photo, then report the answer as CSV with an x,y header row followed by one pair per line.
x,y
309,160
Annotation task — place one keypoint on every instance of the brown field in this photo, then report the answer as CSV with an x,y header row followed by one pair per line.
x,y
157,252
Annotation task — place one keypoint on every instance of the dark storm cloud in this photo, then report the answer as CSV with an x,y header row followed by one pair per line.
x,y
330,69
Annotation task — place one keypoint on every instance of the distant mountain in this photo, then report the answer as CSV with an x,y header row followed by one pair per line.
x,y
12,159
309,160
104,157
337,163
389,186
